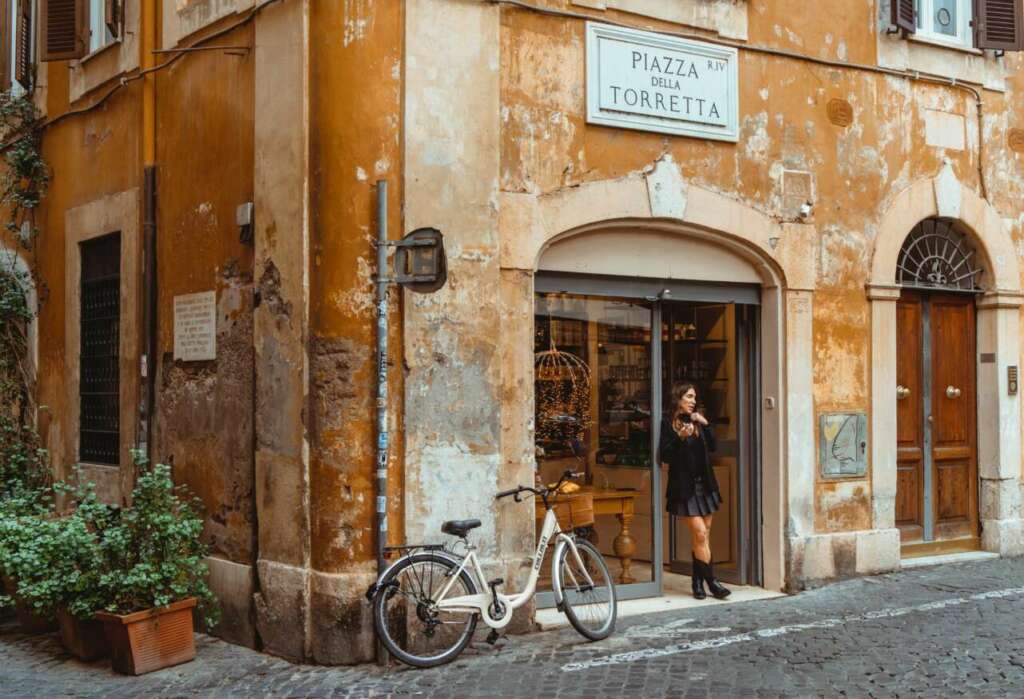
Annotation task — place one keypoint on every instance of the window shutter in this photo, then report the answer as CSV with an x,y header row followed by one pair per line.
x,y
112,16
904,16
64,29
23,46
999,24
5,43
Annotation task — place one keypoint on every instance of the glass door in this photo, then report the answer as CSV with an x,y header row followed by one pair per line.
x,y
593,395
708,345
600,375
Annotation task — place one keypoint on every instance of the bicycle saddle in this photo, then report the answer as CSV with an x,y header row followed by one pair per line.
x,y
459,527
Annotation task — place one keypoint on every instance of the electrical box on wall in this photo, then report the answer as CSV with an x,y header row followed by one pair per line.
x,y
843,445
1011,380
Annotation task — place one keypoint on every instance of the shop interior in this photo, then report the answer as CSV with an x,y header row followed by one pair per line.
x,y
593,389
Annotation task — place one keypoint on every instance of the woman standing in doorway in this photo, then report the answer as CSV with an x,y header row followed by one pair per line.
x,y
685,446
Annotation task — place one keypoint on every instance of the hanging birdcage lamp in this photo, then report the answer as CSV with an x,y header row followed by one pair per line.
x,y
562,383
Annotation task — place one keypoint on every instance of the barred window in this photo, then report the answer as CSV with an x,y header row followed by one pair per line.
x,y
99,385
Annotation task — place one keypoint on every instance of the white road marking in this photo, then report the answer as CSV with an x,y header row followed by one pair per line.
x,y
674,628
690,646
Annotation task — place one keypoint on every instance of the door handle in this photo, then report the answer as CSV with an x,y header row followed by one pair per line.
x,y
952,392
902,392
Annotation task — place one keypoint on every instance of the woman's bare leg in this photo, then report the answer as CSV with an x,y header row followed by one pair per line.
x,y
699,534
707,527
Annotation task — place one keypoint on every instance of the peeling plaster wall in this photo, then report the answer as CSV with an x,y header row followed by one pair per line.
x,y
204,424
355,110
459,450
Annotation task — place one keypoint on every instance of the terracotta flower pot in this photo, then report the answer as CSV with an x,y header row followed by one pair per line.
x,y
151,640
84,638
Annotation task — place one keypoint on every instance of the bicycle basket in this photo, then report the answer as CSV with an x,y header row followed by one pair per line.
x,y
574,511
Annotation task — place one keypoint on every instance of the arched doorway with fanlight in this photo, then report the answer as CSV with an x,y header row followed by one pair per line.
x,y
940,274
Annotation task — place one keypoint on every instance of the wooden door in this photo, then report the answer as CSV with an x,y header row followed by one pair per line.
x,y
936,430
910,426
954,417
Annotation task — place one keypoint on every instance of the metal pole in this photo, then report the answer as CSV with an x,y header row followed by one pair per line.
x,y
382,372
382,387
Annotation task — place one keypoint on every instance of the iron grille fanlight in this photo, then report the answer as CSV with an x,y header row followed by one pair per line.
x,y
937,256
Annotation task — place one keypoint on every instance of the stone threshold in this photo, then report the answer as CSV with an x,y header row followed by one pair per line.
x,y
942,559
548,619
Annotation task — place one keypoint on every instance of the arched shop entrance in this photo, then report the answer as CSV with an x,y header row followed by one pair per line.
x,y
621,315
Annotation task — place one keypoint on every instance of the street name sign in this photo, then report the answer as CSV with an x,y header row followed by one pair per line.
x,y
653,82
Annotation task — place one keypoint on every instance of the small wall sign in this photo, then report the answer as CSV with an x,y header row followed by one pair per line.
x,y
1016,140
843,445
840,112
195,327
652,82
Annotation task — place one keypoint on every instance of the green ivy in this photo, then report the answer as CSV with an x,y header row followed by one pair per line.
x,y
23,463
24,181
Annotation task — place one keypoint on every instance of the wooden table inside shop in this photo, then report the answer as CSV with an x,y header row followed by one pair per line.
x,y
611,501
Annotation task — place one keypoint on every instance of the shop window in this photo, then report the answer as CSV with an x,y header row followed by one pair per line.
x,y
981,24
99,381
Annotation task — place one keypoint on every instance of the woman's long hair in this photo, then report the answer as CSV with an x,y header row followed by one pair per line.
x,y
678,391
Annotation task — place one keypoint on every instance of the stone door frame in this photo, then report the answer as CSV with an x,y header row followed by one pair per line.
x,y
998,323
662,201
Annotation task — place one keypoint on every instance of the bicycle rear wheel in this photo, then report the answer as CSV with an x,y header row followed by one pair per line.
x,y
405,614
587,590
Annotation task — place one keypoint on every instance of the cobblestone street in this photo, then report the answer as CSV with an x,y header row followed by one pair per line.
x,y
936,632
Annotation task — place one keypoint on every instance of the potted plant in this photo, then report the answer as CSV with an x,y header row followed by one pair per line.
x,y
21,540
154,576
75,571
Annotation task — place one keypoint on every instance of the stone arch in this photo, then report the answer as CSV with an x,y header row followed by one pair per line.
x,y
662,201
998,319
945,197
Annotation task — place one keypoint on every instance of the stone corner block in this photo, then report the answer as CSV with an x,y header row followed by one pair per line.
x,y
233,585
341,619
1003,536
281,609
878,551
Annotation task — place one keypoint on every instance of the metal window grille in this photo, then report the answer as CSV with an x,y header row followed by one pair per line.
x,y
937,256
99,386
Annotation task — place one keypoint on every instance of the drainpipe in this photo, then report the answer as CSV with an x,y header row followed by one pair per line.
x,y
148,367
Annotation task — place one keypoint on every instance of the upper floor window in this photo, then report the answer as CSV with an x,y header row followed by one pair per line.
x,y
73,28
16,32
982,24
100,24
945,21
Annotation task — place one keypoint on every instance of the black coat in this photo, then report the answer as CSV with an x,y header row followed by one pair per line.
x,y
682,469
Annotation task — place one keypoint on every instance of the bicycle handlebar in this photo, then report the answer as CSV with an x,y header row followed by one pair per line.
x,y
543,492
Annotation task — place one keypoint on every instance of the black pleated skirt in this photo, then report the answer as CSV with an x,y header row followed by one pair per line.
x,y
701,504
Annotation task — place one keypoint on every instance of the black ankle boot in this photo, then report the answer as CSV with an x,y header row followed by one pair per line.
x,y
697,580
717,589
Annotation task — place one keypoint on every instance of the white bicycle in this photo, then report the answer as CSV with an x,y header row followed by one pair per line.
x,y
426,605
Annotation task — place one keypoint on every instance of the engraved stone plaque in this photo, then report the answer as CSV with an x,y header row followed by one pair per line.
x,y
843,444
195,327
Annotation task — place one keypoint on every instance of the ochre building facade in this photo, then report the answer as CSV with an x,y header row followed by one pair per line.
x,y
840,276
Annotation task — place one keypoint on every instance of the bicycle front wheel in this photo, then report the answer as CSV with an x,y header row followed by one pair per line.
x,y
406,616
587,590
